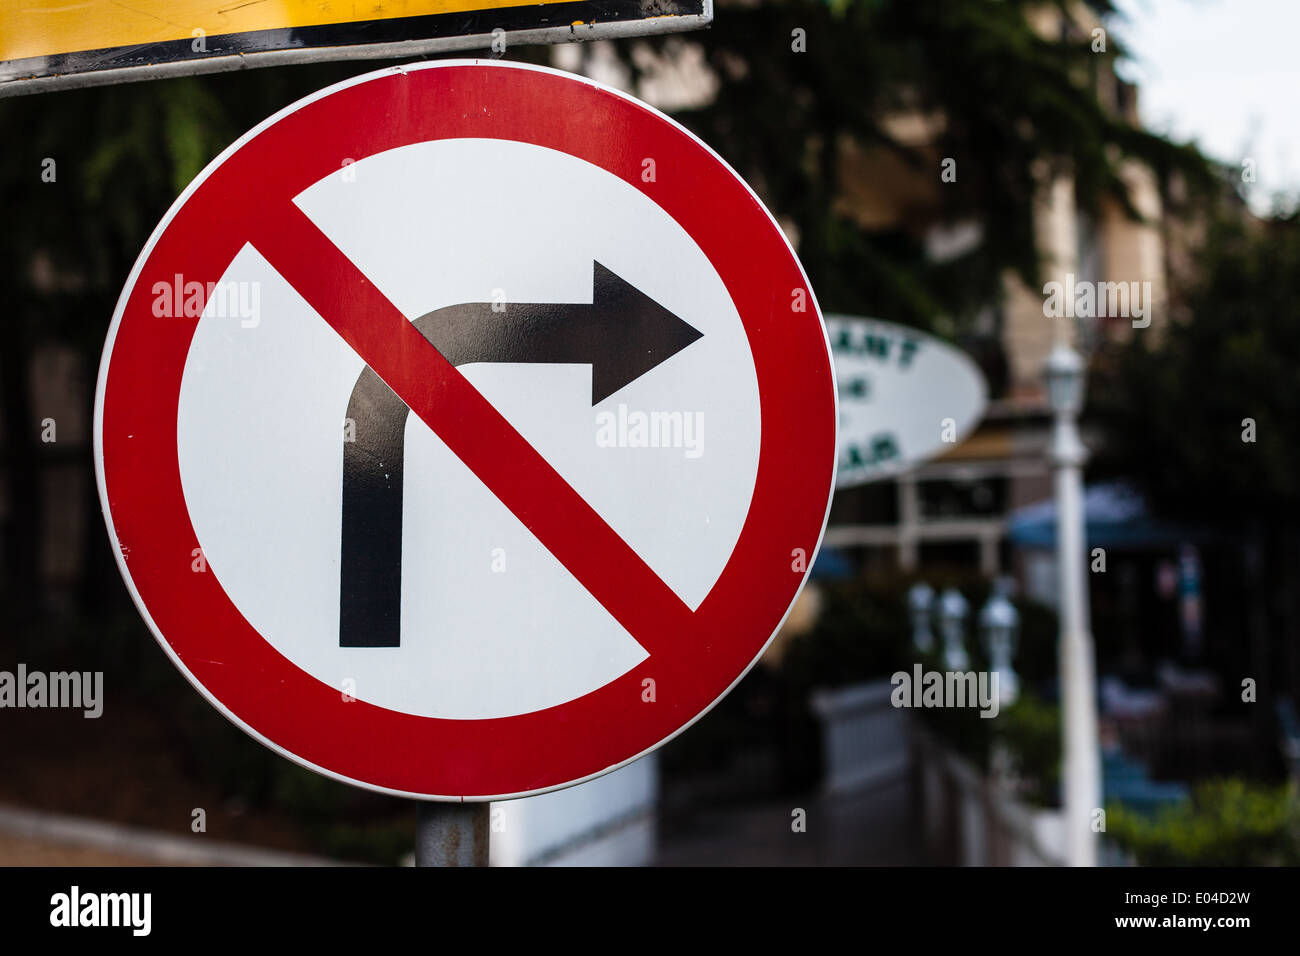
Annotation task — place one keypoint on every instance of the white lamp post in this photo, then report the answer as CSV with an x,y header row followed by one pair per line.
x,y
952,622
999,621
1081,769
919,600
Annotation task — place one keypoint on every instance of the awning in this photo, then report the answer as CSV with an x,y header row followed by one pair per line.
x,y
1117,517
831,565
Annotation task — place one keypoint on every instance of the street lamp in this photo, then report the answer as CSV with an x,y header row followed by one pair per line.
x,y
1081,769
999,621
1065,380
919,600
952,622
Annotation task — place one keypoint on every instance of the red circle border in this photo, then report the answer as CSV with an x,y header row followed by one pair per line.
x,y
260,689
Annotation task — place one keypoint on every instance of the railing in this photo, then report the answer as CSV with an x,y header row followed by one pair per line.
x,y
864,738
965,818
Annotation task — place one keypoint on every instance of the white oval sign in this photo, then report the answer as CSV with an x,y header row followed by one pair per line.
x,y
905,396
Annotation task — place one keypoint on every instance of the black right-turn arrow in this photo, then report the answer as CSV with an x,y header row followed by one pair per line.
x,y
622,334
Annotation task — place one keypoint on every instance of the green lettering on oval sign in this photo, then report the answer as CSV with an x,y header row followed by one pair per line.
x,y
878,449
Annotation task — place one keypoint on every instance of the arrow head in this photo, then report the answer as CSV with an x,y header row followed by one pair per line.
x,y
642,334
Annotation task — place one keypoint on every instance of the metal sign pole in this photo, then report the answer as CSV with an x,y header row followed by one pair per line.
x,y
452,834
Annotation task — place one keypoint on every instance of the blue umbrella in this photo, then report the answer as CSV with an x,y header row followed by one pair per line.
x,y
1116,517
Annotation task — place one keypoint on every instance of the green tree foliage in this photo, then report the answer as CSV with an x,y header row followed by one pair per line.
x,y
1009,99
1174,408
1226,823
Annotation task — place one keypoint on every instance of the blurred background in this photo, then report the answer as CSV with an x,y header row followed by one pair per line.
x,y
936,166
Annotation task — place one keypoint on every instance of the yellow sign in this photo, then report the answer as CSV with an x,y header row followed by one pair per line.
x,y
58,43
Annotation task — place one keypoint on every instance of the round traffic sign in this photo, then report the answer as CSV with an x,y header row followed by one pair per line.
x,y
466,430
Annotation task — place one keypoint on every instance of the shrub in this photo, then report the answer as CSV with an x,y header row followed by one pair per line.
x,y
1226,823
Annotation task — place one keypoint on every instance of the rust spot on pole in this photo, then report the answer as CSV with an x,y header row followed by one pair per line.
x,y
452,834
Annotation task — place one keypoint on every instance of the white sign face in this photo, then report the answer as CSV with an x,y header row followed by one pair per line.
x,y
669,460
905,396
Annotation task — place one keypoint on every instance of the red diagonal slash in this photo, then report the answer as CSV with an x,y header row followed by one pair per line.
x,y
476,433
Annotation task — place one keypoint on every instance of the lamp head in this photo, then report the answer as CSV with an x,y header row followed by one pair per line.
x,y
1065,380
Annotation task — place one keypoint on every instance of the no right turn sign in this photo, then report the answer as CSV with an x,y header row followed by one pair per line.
x,y
466,431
